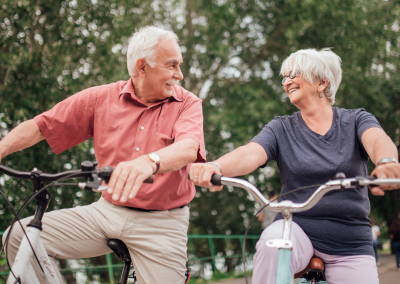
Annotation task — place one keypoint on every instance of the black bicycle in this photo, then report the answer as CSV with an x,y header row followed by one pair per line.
x,y
23,270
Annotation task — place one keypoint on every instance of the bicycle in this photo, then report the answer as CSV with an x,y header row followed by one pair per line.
x,y
31,247
315,272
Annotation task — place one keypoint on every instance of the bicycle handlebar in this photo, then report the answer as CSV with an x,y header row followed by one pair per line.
x,y
88,170
43,176
312,200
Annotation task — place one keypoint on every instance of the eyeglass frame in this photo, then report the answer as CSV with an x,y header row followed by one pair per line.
x,y
290,76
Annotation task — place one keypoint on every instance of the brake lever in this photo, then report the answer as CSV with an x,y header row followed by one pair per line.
x,y
91,186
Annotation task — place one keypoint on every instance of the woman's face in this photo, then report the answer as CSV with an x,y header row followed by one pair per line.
x,y
300,90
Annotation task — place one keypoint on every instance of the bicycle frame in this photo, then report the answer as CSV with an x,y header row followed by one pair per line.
x,y
287,208
26,267
32,264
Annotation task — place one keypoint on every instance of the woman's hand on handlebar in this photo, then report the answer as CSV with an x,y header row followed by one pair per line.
x,y
391,170
200,174
128,177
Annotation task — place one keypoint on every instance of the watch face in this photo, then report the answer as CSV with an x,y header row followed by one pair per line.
x,y
154,157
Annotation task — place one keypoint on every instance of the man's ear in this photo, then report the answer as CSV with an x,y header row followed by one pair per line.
x,y
141,67
322,85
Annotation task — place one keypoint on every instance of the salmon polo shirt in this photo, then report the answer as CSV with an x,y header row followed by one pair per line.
x,y
123,129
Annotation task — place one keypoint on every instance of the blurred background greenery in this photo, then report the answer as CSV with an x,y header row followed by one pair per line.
x,y
232,51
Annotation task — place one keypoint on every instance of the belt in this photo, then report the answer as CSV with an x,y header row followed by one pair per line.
x,y
150,210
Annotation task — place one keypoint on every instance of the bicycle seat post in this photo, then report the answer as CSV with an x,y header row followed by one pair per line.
x,y
42,199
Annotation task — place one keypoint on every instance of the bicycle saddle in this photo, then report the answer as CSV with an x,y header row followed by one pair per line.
x,y
313,271
120,249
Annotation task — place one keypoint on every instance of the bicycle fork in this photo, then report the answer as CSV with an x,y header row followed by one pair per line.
x,y
283,272
30,268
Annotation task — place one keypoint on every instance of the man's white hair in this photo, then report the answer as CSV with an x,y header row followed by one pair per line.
x,y
143,44
316,65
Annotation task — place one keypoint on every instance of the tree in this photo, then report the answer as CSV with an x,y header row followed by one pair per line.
x,y
232,55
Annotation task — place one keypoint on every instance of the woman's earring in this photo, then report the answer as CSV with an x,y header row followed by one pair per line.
x,y
320,95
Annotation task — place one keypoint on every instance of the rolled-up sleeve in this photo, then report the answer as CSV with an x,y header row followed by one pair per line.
x,y
69,122
190,125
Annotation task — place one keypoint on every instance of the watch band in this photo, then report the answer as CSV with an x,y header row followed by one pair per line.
x,y
156,159
387,161
158,167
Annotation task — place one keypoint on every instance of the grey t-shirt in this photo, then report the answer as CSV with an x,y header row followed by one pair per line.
x,y
338,224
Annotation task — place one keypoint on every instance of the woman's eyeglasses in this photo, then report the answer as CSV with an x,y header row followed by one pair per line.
x,y
291,76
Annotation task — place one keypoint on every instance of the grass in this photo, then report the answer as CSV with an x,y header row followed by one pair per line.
x,y
218,276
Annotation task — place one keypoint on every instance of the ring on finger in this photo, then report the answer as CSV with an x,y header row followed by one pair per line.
x,y
195,176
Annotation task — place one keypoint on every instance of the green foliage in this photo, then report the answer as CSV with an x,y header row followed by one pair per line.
x,y
232,55
49,51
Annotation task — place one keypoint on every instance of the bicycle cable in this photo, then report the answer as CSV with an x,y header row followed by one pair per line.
x,y
65,183
255,215
5,246
15,214
24,205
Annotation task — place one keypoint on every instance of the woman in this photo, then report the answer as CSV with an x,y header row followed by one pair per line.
x,y
310,146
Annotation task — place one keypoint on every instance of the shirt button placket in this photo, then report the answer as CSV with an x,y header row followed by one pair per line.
x,y
140,134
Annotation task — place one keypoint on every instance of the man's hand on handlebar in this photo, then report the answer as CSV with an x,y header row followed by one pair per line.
x,y
391,170
201,174
128,177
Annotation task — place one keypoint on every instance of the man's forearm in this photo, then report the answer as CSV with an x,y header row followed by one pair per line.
x,y
177,155
23,136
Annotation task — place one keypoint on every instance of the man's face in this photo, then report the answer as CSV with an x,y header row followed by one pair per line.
x,y
161,79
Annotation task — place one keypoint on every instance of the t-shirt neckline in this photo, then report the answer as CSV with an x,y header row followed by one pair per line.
x,y
319,136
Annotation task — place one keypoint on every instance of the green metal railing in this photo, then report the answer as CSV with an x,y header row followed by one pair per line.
x,y
213,254
110,267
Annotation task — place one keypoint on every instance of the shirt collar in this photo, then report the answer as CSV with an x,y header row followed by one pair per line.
x,y
128,89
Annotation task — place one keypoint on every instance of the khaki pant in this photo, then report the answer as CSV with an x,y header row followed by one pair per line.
x,y
156,240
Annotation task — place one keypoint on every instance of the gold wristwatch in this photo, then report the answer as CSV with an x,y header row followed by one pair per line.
x,y
156,159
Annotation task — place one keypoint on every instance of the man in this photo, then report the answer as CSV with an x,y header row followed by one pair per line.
x,y
146,125
266,217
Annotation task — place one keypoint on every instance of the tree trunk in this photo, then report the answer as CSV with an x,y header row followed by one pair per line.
x,y
70,276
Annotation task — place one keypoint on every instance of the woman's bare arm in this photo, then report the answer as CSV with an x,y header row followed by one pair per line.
x,y
240,161
378,146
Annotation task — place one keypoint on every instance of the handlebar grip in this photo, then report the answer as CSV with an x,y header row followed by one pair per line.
x,y
372,178
105,173
216,179
149,179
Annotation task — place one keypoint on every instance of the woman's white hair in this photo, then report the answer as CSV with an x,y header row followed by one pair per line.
x,y
143,44
316,65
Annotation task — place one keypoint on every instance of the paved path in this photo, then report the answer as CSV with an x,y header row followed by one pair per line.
x,y
387,271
